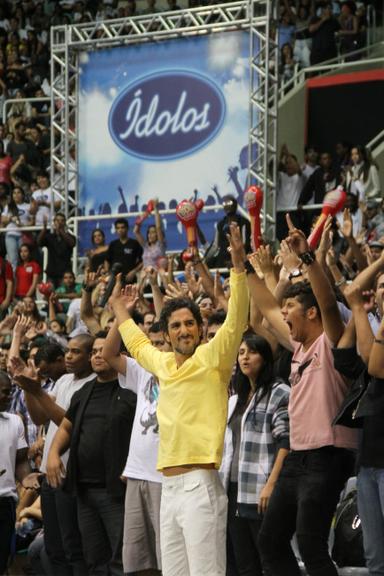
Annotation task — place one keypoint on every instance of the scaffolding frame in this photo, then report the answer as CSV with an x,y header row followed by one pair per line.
x,y
256,16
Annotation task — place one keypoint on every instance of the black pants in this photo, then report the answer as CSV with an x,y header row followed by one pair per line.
x,y
304,501
62,538
101,521
7,530
243,533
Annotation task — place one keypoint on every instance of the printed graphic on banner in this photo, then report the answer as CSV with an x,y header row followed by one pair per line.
x,y
167,120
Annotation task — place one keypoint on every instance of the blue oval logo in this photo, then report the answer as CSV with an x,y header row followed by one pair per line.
x,y
167,115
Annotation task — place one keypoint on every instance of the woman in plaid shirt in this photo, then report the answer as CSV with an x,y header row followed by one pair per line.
x,y
256,443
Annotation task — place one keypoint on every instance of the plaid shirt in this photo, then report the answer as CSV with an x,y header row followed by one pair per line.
x,y
264,430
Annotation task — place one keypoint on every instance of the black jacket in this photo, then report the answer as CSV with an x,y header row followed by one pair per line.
x,y
366,395
120,414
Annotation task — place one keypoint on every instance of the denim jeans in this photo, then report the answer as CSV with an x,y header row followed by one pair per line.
x,y
12,244
304,501
62,538
370,501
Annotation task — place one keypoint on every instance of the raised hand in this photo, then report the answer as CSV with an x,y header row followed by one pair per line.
x,y
265,260
296,238
289,258
23,324
175,290
236,247
347,227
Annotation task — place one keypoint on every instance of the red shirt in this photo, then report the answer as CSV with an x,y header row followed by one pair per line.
x,y
6,273
24,277
5,170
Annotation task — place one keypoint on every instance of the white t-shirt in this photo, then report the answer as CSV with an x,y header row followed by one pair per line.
x,y
62,394
11,440
42,211
23,215
289,190
143,448
79,327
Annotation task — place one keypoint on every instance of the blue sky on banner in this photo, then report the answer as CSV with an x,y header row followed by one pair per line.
x,y
115,174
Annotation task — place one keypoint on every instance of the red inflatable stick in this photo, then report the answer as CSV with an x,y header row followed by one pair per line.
x,y
253,200
149,209
332,204
187,212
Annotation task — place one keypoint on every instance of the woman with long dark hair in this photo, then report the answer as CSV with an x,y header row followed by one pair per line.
x,y
256,443
15,215
363,176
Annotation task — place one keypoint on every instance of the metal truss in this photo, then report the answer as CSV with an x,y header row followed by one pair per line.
x,y
252,15
264,66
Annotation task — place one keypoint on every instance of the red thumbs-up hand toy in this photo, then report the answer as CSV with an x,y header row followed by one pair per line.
x,y
187,213
149,209
253,199
332,204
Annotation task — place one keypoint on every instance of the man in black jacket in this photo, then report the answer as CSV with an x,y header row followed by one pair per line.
x,y
97,428
324,179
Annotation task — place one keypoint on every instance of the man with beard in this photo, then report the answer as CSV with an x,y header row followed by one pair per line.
x,y
192,410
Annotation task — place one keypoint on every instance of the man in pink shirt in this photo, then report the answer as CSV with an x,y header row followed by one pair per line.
x,y
321,458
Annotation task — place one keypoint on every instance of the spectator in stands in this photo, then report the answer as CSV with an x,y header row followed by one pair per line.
x,y
290,185
14,466
15,215
41,139
363,176
342,154
286,28
6,285
354,212
154,245
141,550
69,289
311,157
322,30
97,427
61,534
287,62
5,166
60,244
308,489
23,152
302,47
125,251
349,27
256,443
44,202
191,527
98,254
27,273
326,178
217,255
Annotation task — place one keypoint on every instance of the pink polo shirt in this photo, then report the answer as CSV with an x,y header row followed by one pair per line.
x,y
317,392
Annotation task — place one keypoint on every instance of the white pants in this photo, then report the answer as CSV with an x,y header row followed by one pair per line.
x,y
193,520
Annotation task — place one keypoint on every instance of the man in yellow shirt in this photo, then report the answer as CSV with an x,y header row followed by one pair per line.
x,y
192,412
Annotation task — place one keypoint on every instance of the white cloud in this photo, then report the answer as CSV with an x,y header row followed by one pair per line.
x,y
223,51
96,143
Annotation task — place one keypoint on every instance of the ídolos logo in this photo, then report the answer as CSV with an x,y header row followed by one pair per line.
x,y
167,115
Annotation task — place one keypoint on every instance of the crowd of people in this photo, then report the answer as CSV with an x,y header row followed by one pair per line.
x,y
158,417
311,32
186,422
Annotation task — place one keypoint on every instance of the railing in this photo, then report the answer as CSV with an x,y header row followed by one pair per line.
x,y
10,101
301,74
376,141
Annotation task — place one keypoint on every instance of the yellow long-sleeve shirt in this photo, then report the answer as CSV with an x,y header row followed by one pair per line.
x,y
193,401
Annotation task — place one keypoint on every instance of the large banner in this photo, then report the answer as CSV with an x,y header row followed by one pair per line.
x,y
167,120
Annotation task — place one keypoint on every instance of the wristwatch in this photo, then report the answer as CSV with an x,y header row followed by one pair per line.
x,y
295,273
308,257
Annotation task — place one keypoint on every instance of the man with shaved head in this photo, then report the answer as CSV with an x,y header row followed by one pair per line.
x,y
61,535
